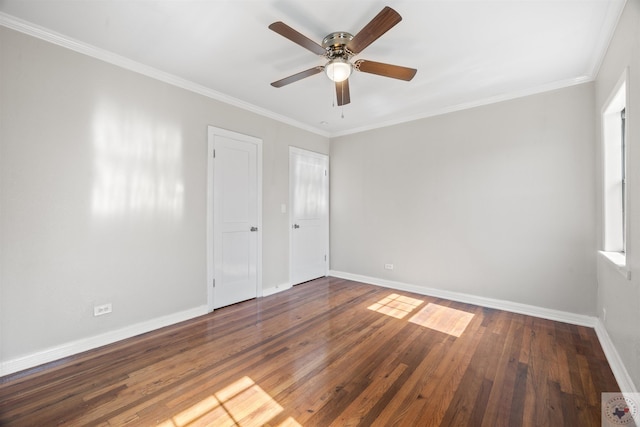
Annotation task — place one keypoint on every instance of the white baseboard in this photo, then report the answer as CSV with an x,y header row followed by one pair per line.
x,y
619,371
49,355
75,347
514,307
276,289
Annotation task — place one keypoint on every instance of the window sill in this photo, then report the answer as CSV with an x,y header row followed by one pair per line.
x,y
619,261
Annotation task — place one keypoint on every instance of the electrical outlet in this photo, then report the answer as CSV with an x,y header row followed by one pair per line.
x,y
388,266
99,310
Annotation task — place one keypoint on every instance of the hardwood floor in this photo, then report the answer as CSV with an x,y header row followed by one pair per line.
x,y
328,353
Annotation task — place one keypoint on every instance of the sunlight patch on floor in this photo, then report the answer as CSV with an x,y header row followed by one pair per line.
x,y
395,305
242,403
442,319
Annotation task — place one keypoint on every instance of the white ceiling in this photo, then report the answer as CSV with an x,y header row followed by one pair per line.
x,y
467,52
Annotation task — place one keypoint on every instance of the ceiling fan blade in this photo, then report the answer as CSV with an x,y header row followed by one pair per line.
x,y
298,76
386,70
342,92
286,31
383,22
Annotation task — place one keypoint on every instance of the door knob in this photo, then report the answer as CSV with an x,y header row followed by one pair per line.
x,y
254,228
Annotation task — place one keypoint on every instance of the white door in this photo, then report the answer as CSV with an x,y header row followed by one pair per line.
x,y
235,161
309,214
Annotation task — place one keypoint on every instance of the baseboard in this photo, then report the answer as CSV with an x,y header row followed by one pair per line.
x,y
75,347
514,307
619,371
49,355
276,289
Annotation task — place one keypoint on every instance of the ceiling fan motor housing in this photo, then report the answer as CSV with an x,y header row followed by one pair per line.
x,y
335,44
339,47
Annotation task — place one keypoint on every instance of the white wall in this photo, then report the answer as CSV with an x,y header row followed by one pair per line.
x,y
496,201
103,195
621,297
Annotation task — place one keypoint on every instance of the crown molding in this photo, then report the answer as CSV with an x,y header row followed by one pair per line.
x,y
47,35
473,104
614,12
612,19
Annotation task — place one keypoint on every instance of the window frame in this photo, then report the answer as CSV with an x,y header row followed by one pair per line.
x,y
614,124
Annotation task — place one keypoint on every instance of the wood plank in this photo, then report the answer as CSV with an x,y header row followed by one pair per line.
x,y
501,396
319,354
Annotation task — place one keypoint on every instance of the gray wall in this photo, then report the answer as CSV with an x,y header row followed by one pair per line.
x,y
103,194
496,201
619,296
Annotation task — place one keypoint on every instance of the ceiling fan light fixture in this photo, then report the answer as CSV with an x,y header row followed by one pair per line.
x,y
338,69
339,47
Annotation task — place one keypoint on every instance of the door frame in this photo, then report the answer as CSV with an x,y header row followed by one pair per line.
x,y
297,150
212,131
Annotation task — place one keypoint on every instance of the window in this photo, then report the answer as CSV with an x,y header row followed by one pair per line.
x,y
623,177
614,130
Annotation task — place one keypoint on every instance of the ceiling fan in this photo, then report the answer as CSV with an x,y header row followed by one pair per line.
x,y
339,47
